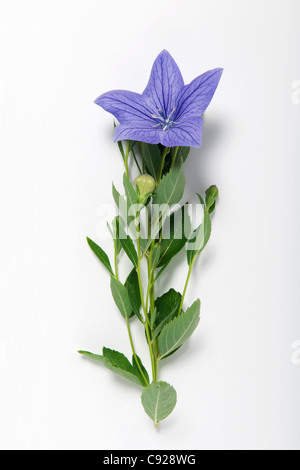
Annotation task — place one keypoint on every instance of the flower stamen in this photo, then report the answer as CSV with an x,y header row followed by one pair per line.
x,y
164,122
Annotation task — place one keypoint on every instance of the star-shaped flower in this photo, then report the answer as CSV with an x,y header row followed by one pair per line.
x,y
167,112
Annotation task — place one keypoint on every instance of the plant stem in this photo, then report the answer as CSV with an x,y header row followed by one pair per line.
x,y
116,260
133,351
127,319
151,291
153,362
126,159
186,285
174,156
165,153
136,162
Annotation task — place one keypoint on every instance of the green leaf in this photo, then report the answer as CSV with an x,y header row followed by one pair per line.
x,y
132,286
153,318
100,254
127,244
120,145
166,304
159,400
168,193
175,333
152,159
129,191
211,195
121,205
121,297
161,271
116,195
202,202
182,153
171,187
172,242
115,225
117,359
118,363
199,238
124,208
167,307
131,144
113,230
155,255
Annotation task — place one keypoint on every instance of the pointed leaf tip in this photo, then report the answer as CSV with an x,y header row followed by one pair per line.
x,y
100,253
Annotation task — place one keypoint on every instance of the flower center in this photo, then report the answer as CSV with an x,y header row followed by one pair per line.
x,y
163,121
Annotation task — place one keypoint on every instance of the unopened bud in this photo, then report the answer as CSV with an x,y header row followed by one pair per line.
x,y
145,185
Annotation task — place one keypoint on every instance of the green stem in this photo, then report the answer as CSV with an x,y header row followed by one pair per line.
x,y
151,292
174,156
147,323
116,260
136,162
186,285
134,353
165,153
126,159
127,320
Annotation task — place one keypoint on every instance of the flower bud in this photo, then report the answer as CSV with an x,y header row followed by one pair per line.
x,y
145,185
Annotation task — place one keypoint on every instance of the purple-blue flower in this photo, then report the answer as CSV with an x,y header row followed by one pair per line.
x,y
168,111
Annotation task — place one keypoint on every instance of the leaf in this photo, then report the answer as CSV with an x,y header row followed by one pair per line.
x,y
118,363
161,271
121,204
175,333
121,297
116,195
153,318
211,195
159,400
182,153
113,230
127,244
155,255
115,225
166,304
131,144
171,187
124,209
132,286
100,254
120,145
152,159
169,192
199,238
202,202
117,359
129,191
180,230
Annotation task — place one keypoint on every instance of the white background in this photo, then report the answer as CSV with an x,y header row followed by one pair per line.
x,y
237,379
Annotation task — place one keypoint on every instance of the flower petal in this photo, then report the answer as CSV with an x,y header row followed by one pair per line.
x,y
186,134
165,84
195,97
126,106
138,132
